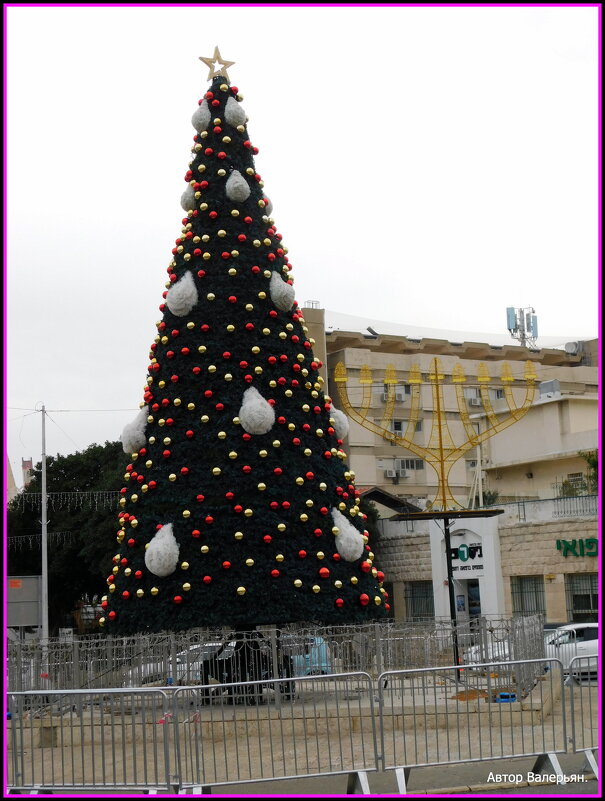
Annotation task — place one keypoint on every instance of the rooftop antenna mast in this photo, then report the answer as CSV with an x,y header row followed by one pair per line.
x,y
523,325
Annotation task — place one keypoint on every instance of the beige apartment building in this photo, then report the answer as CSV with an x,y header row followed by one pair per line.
x,y
541,553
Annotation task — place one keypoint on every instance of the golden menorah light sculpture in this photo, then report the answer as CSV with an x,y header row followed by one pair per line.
x,y
442,452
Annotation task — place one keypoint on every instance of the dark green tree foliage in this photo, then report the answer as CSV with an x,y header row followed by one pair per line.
x,y
79,527
238,507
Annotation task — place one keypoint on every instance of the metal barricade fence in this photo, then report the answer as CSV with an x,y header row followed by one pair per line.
x,y
87,738
99,661
584,697
433,717
257,731
194,736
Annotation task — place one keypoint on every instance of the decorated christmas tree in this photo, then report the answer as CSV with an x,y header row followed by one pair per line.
x,y
237,508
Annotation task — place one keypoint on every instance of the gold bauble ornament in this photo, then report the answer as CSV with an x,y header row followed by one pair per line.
x,y
316,588
184,565
238,535
216,471
186,513
241,590
172,477
297,583
204,549
281,527
140,593
249,562
186,586
154,590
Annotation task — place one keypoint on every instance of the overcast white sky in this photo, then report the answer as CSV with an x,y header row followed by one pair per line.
x,y
427,166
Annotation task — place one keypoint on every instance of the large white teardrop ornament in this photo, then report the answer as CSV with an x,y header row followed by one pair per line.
x,y
182,296
349,542
256,414
162,555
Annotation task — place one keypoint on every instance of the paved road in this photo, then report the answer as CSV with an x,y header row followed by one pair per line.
x,y
467,779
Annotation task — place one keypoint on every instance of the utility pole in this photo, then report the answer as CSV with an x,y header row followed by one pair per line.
x,y
44,543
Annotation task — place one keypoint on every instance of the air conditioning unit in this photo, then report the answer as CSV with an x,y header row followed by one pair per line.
x,y
391,473
403,473
385,396
400,396
475,402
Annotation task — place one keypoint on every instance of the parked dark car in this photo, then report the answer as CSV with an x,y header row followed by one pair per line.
x,y
246,658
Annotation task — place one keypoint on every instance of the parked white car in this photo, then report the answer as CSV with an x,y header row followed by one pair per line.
x,y
575,639
564,643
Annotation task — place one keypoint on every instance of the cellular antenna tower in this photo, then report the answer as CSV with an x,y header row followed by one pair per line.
x,y
523,325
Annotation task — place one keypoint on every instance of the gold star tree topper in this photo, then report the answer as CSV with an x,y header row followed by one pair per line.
x,y
218,66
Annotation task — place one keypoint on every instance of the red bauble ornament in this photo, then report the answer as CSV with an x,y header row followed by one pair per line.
x,y
138,574
125,595
339,603
207,579
195,533
324,572
112,615
364,599
366,567
226,565
267,538
131,543
189,434
177,599
275,573
302,554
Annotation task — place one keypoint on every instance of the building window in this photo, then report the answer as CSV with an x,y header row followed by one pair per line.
x,y
576,480
419,601
498,394
397,426
581,593
528,595
411,464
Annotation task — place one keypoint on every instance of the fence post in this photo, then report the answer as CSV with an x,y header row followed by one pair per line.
x,y
275,664
378,648
75,660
